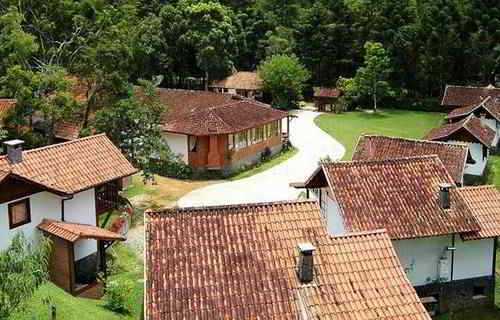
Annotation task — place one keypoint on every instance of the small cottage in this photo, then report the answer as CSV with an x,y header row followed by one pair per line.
x,y
246,84
478,136
454,156
60,191
445,236
326,98
465,96
270,261
220,131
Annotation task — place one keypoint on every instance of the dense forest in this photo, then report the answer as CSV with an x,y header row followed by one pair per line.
x,y
112,44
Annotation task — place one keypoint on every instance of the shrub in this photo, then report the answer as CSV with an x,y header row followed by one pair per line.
x,y
116,297
174,168
23,268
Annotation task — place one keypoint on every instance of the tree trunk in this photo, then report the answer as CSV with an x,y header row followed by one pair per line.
x,y
206,80
375,97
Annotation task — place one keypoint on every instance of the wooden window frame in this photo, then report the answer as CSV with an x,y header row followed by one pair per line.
x,y
26,201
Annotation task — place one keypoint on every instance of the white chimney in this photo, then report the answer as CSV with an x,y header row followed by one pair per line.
x,y
305,267
14,150
444,195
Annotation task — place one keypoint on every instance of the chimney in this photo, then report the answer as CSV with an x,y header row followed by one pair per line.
x,y
444,195
306,263
14,150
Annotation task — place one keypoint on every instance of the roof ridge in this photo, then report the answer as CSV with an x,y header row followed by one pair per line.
x,y
150,211
470,87
359,233
376,161
454,144
485,186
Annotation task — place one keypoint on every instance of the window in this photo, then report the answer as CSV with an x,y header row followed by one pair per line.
x,y
259,134
19,213
241,139
274,129
230,141
193,144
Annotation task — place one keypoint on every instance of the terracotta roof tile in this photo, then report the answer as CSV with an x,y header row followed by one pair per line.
x,y
6,105
239,262
75,231
461,96
471,124
327,92
68,130
240,80
200,113
72,166
453,156
400,195
484,202
488,105
3,175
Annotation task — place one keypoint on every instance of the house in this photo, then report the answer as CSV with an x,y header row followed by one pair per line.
x,y
270,261
60,190
445,236
220,131
246,84
6,106
478,137
454,156
464,96
487,110
326,98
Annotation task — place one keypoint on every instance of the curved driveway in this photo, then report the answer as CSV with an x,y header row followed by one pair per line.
x,y
273,184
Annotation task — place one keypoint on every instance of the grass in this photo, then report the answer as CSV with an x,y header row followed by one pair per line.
x,y
267,164
494,170
129,267
347,127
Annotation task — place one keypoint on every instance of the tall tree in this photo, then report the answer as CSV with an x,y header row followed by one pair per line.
x,y
371,78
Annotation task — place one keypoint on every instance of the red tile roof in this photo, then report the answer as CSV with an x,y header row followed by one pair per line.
x,y
400,195
461,96
483,133
239,262
327,92
484,202
68,130
73,166
240,80
74,231
453,156
201,113
488,105
6,105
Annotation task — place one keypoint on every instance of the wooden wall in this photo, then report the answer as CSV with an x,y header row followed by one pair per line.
x,y
13,189
62,271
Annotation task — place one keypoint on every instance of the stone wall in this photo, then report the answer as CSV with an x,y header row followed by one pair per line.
x,y
461,294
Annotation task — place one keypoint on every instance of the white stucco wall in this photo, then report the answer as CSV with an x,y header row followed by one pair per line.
x,y
476,151
42,205
334,219
178,143
420,258
80,209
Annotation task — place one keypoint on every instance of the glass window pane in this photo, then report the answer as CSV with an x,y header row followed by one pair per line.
x,y
18,213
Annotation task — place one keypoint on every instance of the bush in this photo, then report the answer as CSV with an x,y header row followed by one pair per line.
x,y
23,268
116,297
170,168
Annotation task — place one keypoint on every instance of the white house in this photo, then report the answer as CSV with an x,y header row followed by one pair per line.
x,y
444,235
246,84
60,190
488,111
478,136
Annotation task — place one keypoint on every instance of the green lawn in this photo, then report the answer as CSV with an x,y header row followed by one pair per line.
x,y
268,164
129,268
348,126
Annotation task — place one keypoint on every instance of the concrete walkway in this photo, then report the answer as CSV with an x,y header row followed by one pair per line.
x,y
273,184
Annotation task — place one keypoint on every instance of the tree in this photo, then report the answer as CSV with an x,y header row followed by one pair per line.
x,y
133,124
23,268
284,77
371,78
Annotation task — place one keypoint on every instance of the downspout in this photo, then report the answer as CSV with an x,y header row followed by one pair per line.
x,y
62,206
452,249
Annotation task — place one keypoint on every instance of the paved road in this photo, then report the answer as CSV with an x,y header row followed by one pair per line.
x,y
273,184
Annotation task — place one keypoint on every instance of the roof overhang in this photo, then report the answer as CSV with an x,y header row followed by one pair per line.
x,y
75,231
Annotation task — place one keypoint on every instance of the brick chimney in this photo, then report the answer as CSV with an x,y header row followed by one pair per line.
x,y
305,266
14,150
444,195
